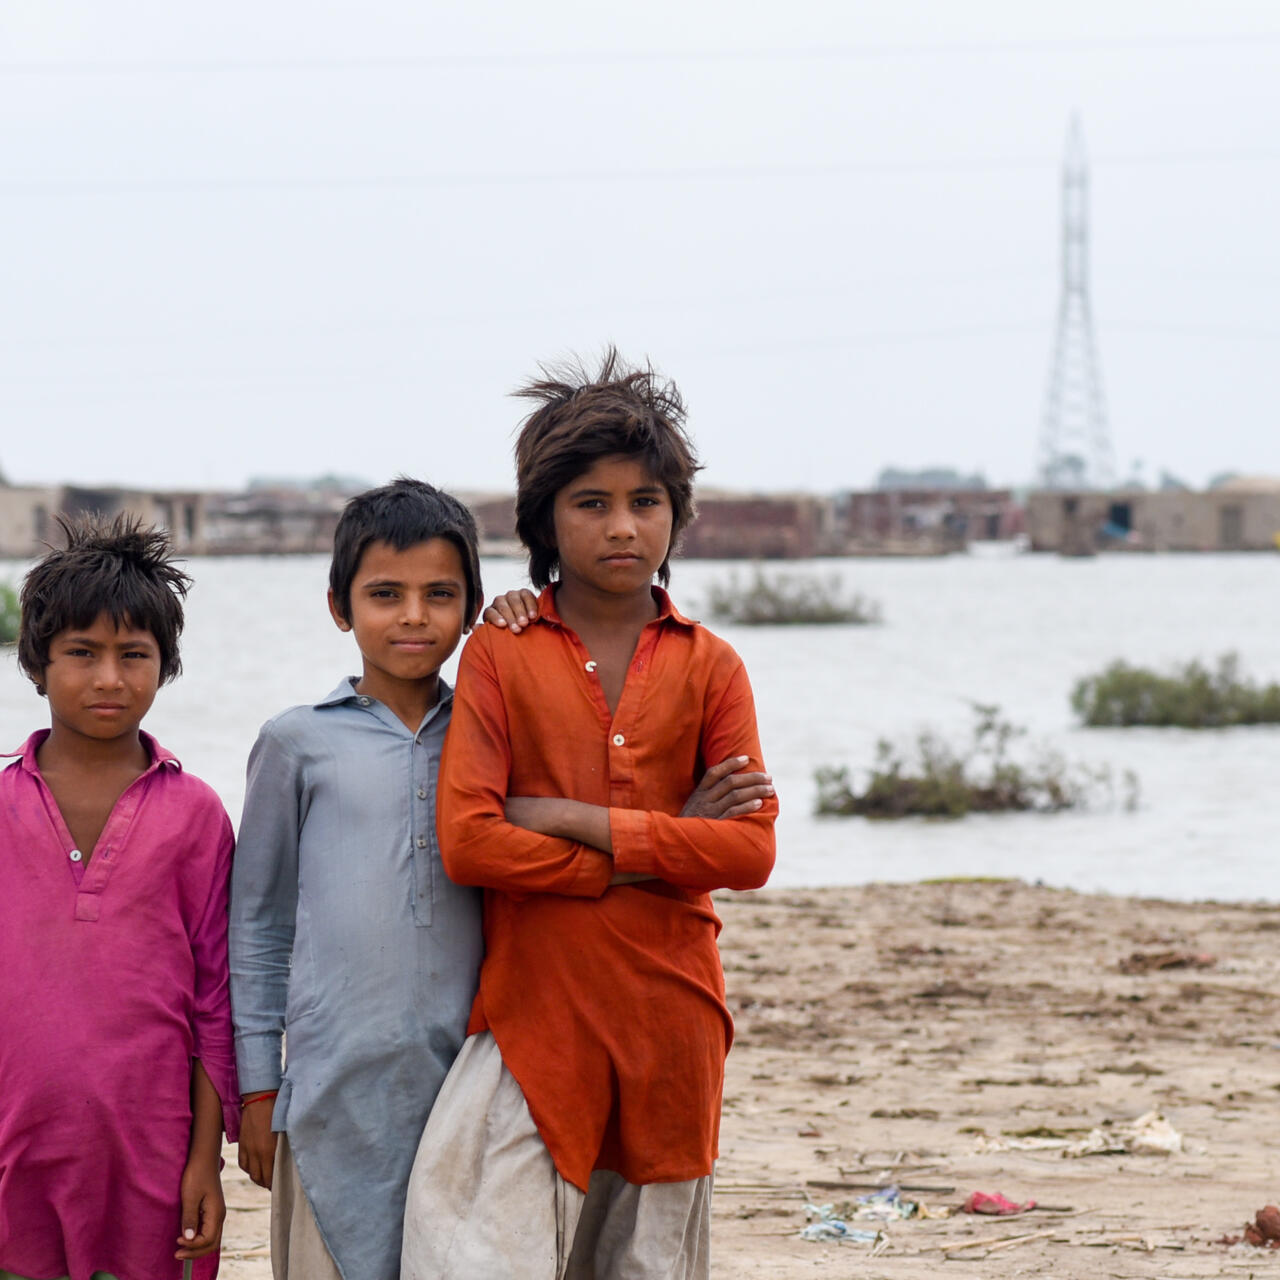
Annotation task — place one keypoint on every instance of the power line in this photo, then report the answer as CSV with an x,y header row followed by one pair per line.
x,y
38,187
639,57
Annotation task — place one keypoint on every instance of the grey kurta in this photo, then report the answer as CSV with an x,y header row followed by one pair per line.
x,y
347,934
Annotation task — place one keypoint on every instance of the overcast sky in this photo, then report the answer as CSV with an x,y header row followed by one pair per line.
x,y
286,238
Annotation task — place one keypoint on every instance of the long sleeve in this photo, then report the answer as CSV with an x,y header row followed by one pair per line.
x,y
264,900
703,854
477,844
214,1045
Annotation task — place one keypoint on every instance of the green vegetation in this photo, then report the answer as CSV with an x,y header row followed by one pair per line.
x,y
783,599
941,782
1190,697
9,614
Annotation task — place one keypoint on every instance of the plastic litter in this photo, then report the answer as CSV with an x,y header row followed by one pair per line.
x,y
886,1205
993,1202
827,1226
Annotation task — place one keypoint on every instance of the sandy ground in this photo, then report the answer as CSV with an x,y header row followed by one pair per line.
x,y
959,1037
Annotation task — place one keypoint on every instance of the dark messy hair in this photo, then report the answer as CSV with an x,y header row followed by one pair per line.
x,y
583,417
121,568
403,514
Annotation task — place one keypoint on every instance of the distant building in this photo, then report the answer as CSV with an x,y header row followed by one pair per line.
x,y
925,521
495,515
28,514
757,526
1241,514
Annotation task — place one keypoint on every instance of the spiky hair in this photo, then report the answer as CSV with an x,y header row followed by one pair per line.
x,y
118,567
583,416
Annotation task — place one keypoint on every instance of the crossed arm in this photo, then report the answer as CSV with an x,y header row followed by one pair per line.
x,y
725,791
722,793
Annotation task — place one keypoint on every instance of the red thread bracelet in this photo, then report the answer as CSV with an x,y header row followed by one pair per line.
x,y
262,1097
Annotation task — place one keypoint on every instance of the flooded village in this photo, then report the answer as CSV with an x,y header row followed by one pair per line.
x,y
935,512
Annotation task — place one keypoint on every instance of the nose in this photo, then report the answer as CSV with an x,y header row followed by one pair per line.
x,y
622,523
108,673
413,612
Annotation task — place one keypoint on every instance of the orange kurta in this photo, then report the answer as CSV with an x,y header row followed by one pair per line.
x,y
606,1003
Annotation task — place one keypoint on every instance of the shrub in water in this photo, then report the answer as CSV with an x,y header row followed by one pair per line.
x,y
1190,697
788,598
9,614
942,782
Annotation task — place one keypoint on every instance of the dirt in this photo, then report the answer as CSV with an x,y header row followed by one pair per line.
x,y
964,1036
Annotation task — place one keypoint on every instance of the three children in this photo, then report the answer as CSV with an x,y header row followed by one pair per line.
x,y
602,776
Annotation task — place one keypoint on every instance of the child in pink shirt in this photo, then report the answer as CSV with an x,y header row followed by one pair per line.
x,y
117,1070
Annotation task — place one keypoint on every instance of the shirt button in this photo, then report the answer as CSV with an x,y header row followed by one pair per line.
x,y
619,740
364,702
591,666
75,855
422,842
422,793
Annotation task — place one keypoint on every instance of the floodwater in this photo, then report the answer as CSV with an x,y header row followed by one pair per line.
x,y
994,628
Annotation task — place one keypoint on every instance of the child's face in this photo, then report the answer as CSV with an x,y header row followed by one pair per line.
x,y
101,679
612,527
408,611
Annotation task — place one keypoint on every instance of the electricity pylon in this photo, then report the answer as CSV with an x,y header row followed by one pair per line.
x,y
1075,443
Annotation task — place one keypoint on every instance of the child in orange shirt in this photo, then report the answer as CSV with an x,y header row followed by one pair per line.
x,y
575,1135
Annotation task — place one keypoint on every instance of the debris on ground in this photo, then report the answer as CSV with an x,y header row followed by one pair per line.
x,y
1160,961
994,1203
1149,1135
827,1225
1263,1232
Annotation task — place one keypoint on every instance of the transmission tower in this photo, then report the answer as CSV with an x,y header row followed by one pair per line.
x,y
1075,443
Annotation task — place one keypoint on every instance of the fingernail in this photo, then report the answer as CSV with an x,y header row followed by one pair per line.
x,y
742,759
755,804
189,1234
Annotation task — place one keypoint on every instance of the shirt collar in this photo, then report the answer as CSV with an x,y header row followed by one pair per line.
x,y
667,612
346,692
159,755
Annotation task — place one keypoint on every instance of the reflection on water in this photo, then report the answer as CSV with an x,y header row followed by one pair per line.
x,y
1011,630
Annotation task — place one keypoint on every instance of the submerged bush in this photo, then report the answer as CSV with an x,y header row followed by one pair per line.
x,y
942,782
9,614
1190,697
788,598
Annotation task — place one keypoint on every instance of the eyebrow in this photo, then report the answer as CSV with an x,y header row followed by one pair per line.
x,y
604,493
397,582
87,642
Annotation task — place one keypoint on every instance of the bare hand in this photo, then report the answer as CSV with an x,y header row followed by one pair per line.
x,y
722,793
513,610
257,1151
203,1210
534,813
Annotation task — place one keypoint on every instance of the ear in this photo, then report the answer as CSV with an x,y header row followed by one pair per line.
x,y
336,614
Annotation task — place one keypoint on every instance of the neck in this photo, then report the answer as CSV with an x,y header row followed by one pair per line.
x,y
66,749
581,605
408,700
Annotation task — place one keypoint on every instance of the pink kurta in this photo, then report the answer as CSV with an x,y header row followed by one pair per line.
x,y
113,977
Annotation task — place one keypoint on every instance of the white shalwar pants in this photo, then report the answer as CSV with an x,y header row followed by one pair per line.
x,y
485,1201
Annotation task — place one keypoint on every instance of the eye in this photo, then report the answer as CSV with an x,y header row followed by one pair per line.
x,y
382,593
647,502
